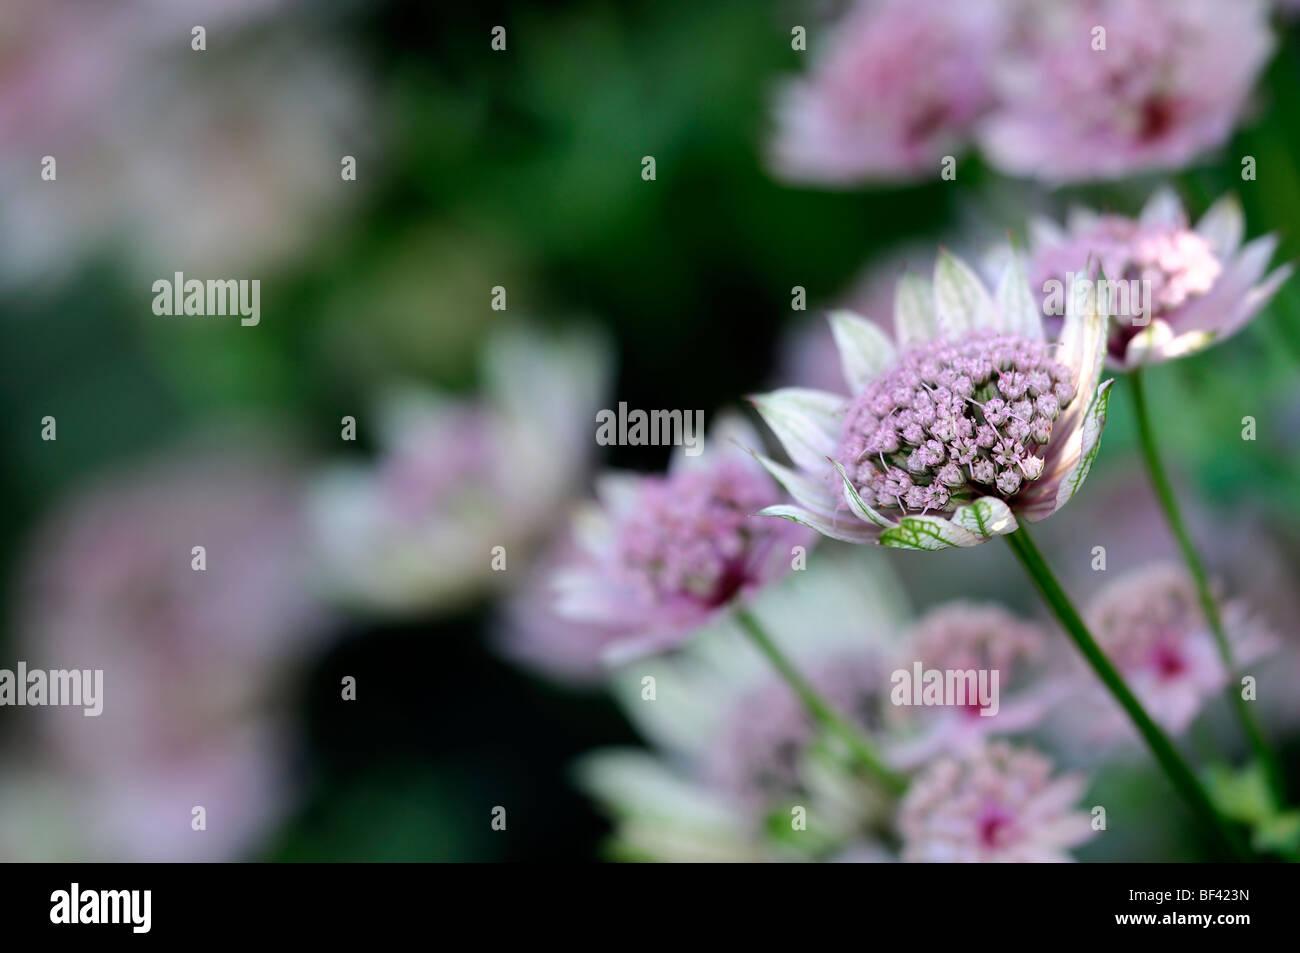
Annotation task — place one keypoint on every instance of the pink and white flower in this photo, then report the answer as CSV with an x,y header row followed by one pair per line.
x,y
967,422
456,477
1204,284
980,637
898,86
195,660
1171,83
998,804
1151,626
140,128
663,555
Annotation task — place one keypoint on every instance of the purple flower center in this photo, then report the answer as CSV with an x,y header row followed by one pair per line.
x,y
1159,118
1167,659
1144,622
955,420
995,825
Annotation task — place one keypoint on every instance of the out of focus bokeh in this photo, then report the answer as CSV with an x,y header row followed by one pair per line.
x,y
461,260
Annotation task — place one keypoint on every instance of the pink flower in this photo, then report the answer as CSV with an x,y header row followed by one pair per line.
x,y
663,555
194,661
996,805
969,421
1149,623
141,125
1170,84
455,478
897,87
1203,285
961,637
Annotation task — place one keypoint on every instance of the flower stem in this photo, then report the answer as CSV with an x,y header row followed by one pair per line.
x,y
821,710
1180,775
1209,605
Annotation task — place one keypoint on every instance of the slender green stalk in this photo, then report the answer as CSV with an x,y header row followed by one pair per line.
x,y
1180,775
1209,605
821,710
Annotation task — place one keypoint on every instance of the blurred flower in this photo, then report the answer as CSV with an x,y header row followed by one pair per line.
x,y
1126,528
1204,286
1149,623
663,555
968,636
228,166
898,87
258,173
457,478
736,750
195,660
972,416
662,816
1170,83
996,805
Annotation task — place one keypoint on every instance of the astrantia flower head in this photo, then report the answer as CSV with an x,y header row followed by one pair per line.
x,y
1170,83
1203,284
971,420
1151,626
661,555
998,804
898,87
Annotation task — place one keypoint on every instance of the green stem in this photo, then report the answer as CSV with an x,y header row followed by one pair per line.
x,y
1180,775
818,707
1209,605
